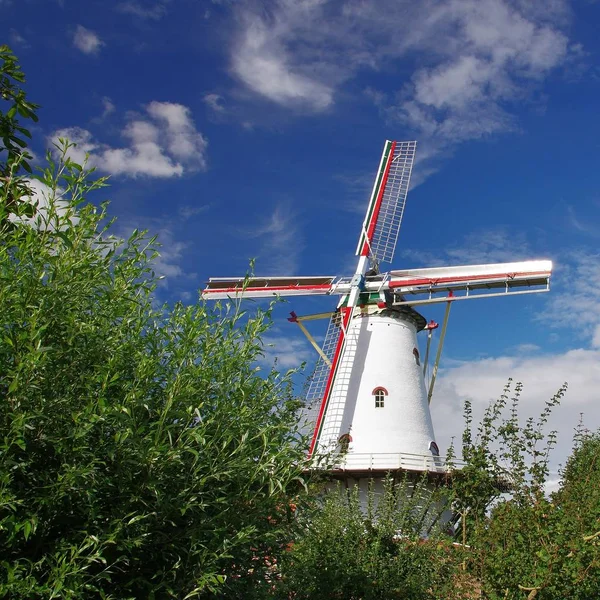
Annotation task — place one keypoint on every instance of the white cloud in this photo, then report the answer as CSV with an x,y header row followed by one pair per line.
x,y
184,142
498,55
261,60
42,197
287,352
214,102
482,381
87,41
165,143
471,60
575,299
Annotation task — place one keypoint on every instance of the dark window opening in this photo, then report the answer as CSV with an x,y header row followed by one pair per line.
x,y
417,358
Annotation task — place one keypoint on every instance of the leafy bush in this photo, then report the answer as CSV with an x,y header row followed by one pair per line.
x,y
141,453
548,548
347,552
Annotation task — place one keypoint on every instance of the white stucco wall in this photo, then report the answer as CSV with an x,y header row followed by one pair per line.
x,y
381,356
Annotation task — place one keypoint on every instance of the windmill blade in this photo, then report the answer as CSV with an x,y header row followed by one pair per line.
x,y
386,206
322,382
471,281
220,288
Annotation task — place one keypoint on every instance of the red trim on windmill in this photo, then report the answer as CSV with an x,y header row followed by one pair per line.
x,y
379,388
377,207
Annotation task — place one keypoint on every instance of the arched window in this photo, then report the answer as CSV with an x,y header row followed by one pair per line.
x,y
379,393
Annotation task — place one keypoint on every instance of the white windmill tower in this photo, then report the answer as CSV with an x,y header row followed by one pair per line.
x,y
369,390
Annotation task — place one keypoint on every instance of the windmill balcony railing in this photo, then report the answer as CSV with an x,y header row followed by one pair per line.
x,y
391,461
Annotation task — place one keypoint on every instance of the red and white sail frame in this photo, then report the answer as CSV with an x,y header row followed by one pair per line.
x,y
420,284
382,222
222,288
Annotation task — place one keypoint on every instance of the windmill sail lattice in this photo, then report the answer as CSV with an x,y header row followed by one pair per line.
x,y
318,380
386,207
329,420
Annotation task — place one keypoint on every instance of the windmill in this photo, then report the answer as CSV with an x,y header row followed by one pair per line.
x,y
368,389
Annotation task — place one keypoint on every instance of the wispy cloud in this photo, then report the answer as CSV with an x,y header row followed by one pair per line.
x,y
172,250
281,242
108,107
483,246
187,211
86,40
587,227
287,352
16,39
153,11
471,61
162,143
263,61
575,299
214,102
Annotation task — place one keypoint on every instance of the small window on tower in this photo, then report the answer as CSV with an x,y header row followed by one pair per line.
x,y
379,393
416,353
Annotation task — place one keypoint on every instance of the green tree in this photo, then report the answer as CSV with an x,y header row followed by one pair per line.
x,y
142,453
14,156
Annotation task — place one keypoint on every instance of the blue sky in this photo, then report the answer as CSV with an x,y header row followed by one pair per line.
x,y
239,129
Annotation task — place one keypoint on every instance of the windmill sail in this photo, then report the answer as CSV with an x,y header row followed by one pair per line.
x,y
221,288
471,281
386,206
